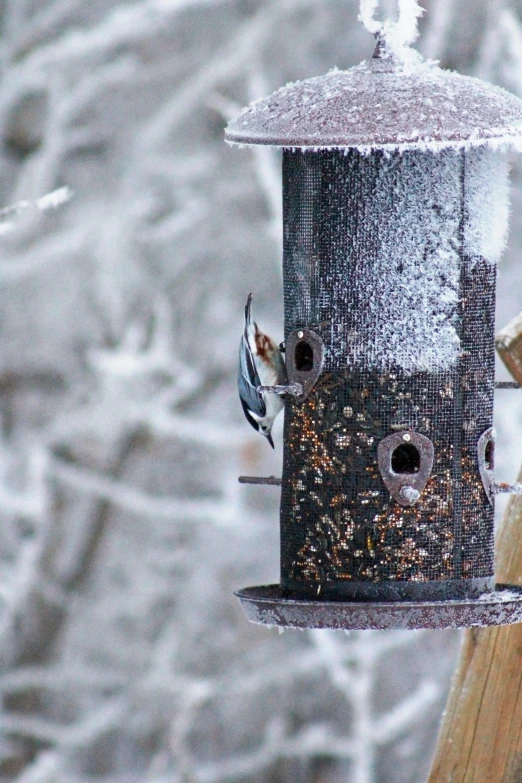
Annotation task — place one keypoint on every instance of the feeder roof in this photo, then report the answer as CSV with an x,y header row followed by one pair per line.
x,y
387,103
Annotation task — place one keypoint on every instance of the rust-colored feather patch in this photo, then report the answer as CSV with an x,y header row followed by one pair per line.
x,y
263,346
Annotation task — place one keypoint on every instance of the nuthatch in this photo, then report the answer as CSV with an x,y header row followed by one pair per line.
x,y
260,364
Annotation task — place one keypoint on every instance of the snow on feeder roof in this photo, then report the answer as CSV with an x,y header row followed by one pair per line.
x,y
394,101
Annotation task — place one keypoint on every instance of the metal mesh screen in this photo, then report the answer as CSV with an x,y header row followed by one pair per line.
x,y
355,234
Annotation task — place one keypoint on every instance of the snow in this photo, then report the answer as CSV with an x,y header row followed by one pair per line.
x,y
407,30
487,196
398,34
503,596
57,198
388,104
367,10
407,296
54,199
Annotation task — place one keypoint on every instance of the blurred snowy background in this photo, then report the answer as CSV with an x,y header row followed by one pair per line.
x,y
124,657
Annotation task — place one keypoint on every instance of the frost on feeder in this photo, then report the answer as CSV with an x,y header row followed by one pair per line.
x,y
395,205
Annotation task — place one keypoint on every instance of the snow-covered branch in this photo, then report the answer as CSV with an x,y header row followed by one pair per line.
x,y
315,739
129,498
42,204
401,717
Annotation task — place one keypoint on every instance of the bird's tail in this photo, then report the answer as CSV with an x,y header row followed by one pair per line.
x,y
248,314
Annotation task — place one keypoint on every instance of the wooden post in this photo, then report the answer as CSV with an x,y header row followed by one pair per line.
x,y
480,740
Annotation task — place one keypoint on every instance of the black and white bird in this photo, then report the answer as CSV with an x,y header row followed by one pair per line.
x,y
260,364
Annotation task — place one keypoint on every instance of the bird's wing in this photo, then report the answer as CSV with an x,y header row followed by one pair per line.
x,y
249,418
248,380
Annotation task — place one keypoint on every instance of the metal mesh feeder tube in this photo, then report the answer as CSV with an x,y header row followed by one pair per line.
x,y
392,230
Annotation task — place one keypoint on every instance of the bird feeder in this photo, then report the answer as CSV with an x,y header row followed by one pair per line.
x,y
395,203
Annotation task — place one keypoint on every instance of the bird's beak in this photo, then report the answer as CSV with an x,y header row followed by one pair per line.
x,y
269,439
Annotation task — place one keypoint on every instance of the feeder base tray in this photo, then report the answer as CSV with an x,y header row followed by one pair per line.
x,y
265,605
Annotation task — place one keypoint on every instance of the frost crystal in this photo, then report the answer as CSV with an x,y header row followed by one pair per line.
x,y
398,34
487,196
366,13
431,213
388,103
412,289
50,201
417,223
